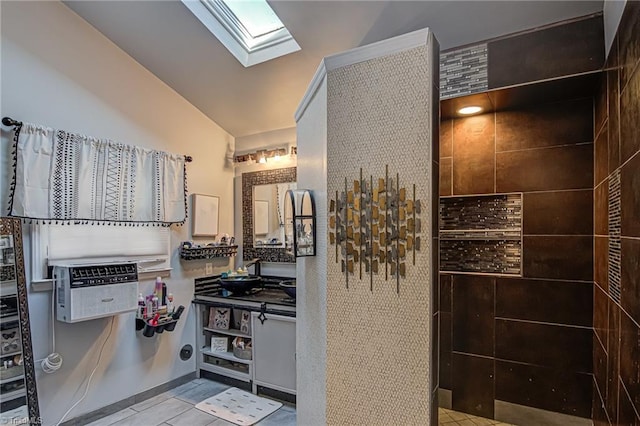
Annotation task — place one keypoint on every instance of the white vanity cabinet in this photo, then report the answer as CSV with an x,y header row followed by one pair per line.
x,y
272,355
274,352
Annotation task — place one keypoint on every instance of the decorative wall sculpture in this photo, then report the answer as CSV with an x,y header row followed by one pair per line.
x,y
375,226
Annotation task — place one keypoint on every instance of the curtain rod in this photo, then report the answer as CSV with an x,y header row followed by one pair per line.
x,y
10,122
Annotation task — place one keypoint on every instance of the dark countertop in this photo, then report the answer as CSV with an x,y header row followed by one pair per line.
x,y
269,294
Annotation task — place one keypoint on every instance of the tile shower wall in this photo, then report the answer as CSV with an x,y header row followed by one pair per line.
x,y
616,293
524,340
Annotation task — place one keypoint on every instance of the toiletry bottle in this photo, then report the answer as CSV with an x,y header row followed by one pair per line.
x,y
164,294
150,310
158,289
156,303
141,306
170,303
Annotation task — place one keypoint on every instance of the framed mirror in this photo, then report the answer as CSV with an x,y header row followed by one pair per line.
x,y
268,214
262,214
18,392
300,223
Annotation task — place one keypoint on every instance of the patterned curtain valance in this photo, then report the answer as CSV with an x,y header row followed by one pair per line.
x,y
71,177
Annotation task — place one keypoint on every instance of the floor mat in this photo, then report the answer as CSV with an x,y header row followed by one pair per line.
x,y
238,406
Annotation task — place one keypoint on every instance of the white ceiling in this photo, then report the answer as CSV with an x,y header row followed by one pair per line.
x,y
170,42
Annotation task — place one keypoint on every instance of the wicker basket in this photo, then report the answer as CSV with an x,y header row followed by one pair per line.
x,y
242,353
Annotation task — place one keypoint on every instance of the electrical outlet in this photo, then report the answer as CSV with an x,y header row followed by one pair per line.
x,y
208,268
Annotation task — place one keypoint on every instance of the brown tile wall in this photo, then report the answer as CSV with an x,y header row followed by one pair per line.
x,y
526,340
539,55
538,326
616,343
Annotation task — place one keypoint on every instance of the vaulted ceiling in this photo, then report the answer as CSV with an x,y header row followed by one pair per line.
x,y
167,39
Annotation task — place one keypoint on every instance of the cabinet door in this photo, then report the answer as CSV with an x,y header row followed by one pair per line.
x,y
274,352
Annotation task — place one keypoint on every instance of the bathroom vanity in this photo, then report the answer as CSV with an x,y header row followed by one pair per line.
x,y
248,337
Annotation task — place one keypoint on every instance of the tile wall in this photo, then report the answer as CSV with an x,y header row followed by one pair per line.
x,y
373,113
616,293
524,340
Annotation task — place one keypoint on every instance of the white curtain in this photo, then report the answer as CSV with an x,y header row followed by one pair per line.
x,y
67,176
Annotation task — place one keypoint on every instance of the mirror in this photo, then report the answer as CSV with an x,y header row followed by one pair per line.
x,y
299,223
18,393
262,234
268,214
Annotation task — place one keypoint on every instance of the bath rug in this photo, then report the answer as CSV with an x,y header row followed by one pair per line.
x,y
239,407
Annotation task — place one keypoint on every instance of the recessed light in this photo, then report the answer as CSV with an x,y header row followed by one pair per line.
x,y
468,110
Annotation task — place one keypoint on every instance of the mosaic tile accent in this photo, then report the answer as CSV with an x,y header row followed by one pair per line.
x,y
481,234
615,229
497,212
491,257
464,71
378,114
249,180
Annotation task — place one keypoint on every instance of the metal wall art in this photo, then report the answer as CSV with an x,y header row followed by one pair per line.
x,y
375,227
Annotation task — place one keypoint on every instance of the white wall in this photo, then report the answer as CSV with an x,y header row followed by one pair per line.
x,y
612,13
311,277
60,72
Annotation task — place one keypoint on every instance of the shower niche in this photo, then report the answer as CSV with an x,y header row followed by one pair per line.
x,y
481,234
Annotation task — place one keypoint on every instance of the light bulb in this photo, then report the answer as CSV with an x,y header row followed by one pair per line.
x,y
468,110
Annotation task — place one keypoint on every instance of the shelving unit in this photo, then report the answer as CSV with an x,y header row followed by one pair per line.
x,y
11,379
207,252
230,332
11,395
219,362
229,356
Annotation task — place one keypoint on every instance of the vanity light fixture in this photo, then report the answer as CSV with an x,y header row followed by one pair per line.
x,y
262,155
468,110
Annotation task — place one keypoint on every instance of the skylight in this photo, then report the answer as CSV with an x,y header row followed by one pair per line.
x,y
249,29
256,16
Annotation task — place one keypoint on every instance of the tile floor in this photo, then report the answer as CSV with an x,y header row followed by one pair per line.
x,y
454,418
176,407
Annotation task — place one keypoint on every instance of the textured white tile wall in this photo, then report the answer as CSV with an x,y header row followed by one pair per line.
x,y
378,342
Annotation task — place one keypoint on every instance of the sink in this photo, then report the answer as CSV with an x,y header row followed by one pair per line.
x,y
240,284
289,287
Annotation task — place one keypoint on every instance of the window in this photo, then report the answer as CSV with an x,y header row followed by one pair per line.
x,y
249,29
148,246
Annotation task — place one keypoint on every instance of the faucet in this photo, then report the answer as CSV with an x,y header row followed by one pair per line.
x,y
256,266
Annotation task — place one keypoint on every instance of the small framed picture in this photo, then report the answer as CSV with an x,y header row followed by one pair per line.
x,y
204,222
219,318
245,322
219,344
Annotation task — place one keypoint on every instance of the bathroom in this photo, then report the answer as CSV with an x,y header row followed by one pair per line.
x,y
564,154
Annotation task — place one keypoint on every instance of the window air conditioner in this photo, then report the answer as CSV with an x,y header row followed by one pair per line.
x,y
87,292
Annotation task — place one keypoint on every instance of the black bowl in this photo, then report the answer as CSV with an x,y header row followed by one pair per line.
x,y
289,287
240,284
